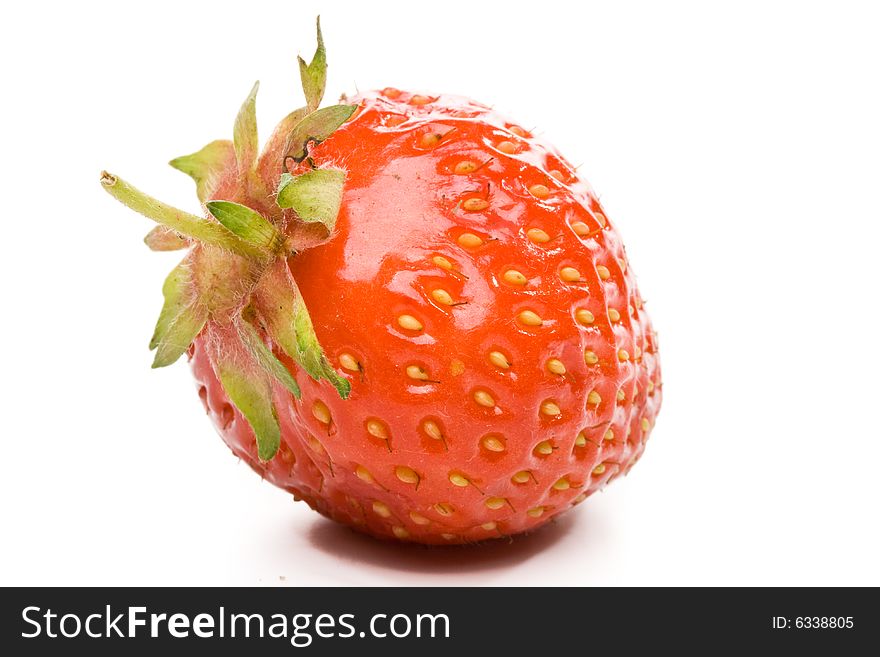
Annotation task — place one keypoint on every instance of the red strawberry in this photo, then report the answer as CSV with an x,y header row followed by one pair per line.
x,y
475,307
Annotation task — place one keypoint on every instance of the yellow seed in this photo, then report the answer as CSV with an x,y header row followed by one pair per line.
x,y
558,175
539,191
630,311
432,429
442,296
430,140
603,272
489,526
521,477
391,92
364,475
550,409
580,498
406,474
493,443
418,518
569,274
410,323
419,100
637,353
495,502
376,429
536,512
416,372
613,315
444,509
448,537
650,386
622,355
465,166
458,479
315,444
562,484
590,357
519,132
529,318
645,424
483,398
621,263
581,440
442,262
556,366
498,359
400,532
381,509
475,204
537,235
621,395
514,277
469,240
594,398
601,219
584,316
599,469
321,412
395,120
544,448
456,367
580,229
349,362
507,147
609,435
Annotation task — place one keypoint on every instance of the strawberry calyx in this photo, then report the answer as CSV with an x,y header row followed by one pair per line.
x,y
234,287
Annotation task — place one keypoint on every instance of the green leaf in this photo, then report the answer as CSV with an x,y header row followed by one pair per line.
x,y
186,224
287,320
206,165
244,134
249,389
179,291
264,356
271,159
316,127
315,195
182,317
314,74
247,224
165,239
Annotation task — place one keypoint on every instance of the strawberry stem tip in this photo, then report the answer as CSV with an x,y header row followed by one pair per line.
x,y
234,285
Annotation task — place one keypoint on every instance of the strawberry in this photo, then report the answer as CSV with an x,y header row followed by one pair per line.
x,y
409,312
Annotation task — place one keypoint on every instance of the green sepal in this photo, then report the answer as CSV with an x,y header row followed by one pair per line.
x,y
247,224
182,317
267,360
314,74
272,156
249,389
287,321
244,134
205,165
316,127
165,239
186,224
315,195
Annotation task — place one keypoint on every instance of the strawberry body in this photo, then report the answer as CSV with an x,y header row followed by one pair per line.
x,y
502,366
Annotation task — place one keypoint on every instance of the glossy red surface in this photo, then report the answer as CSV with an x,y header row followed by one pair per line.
x,y
405,205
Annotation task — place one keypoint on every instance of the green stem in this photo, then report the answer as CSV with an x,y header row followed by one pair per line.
x,y
177,220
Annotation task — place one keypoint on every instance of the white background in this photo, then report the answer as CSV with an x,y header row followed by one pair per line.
x,y
735,145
